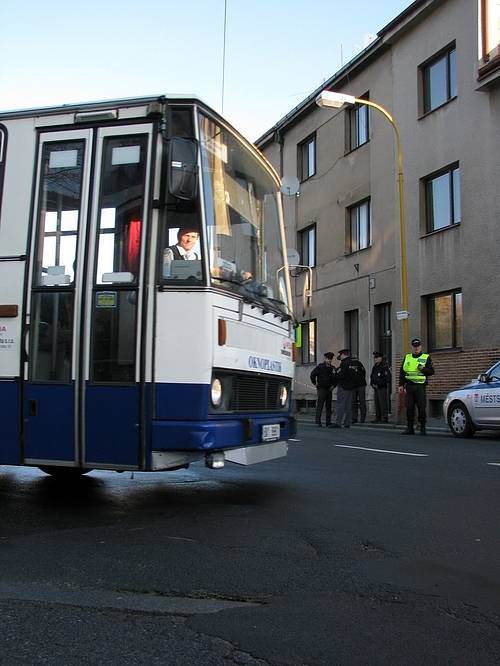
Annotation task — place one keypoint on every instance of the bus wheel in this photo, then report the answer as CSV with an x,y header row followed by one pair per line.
x,y
64,472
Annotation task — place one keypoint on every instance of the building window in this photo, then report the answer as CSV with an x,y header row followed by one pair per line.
x,y
490,29
307,158
442,197
359,127
308,342
383,332
359,226
444,313
307,246
440,79
351,331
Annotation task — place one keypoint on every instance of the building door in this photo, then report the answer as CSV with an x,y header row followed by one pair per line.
x,y
383,336
82,375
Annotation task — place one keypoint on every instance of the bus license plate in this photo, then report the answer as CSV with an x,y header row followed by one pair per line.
x,y
270,432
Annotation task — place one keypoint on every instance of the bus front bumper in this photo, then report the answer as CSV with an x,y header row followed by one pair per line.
x,y
221,435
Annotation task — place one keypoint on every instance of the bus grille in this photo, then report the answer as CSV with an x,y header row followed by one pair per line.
x,y
255,393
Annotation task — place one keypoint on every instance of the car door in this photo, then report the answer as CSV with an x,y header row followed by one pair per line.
x,y
486,399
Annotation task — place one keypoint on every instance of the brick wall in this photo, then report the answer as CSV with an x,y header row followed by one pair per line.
x,y
455,368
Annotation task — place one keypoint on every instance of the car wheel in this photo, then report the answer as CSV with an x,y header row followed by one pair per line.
x,y
459,420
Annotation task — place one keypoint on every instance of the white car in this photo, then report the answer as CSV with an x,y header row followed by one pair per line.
x,y
475,406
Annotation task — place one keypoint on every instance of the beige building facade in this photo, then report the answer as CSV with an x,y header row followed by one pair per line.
x,y
436,69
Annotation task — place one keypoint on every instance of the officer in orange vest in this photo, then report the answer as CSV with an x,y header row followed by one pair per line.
x,y
415,369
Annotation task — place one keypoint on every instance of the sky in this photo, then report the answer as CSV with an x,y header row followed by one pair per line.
x,y
276,52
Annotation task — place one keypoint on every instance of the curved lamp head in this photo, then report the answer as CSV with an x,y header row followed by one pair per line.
x,y
335,100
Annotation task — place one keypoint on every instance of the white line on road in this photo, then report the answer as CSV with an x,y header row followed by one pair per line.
x,y
294,440
397,453
496,464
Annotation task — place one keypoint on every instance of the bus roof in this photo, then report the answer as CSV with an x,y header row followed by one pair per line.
x,y
98,105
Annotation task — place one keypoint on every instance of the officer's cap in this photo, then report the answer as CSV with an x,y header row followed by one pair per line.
x,y
328,355
415,342
377,354
342,351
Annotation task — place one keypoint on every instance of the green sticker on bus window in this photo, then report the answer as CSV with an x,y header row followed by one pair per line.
x,y
106,299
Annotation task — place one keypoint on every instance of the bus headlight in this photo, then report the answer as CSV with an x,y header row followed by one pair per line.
x,y
216,392
283,395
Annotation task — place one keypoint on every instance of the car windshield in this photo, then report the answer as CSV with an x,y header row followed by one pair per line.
x,y
494,372
243,219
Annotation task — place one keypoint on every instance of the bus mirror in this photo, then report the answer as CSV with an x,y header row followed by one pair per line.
x,y
182,168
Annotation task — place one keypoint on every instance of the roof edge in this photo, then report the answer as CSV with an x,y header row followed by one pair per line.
x,y
385,37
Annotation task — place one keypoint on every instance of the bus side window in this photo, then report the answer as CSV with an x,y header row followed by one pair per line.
x,y
3,145
181,254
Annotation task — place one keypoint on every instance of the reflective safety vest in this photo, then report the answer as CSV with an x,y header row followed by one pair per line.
x,y
410,367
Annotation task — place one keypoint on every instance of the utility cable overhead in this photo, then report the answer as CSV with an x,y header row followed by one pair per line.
x,y
224,57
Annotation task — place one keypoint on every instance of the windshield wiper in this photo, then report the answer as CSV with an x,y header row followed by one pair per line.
x,y
283,308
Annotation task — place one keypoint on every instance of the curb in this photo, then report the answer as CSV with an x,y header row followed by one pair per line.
x,y
390,427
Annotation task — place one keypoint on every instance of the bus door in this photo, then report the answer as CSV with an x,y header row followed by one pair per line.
x,y
82,389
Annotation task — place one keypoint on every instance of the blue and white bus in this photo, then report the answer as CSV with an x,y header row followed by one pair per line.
x,y
145,306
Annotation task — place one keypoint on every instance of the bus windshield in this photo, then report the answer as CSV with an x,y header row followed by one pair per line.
x,y
243,219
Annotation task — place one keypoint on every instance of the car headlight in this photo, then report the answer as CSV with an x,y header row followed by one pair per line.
x,y
216,392
283,395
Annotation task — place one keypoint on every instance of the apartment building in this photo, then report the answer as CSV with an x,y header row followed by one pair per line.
x,y
436,69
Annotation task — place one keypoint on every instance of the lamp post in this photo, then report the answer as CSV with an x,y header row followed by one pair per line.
x,y
336,100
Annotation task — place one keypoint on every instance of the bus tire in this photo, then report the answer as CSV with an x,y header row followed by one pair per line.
x,y
64,472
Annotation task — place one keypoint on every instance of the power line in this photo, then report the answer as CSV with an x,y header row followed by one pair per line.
x,y
224,57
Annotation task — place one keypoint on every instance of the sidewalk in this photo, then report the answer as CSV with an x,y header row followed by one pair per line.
x,y
434,424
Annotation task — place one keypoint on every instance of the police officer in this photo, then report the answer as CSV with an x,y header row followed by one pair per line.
x,y
380,380
348,378
415,369
359,394
323,378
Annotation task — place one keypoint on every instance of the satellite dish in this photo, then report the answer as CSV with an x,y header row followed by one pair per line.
x,y
293,257
290,185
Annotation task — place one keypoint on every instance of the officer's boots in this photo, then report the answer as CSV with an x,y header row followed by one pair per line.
x,y
409,429
423,431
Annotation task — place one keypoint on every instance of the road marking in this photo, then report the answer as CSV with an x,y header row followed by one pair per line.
x,y
496,464
294,440
397,453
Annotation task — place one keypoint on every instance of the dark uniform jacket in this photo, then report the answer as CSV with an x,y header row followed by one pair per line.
x,y
380,375
324,376
351,374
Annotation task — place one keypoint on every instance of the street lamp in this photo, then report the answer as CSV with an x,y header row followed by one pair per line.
x,y
336,100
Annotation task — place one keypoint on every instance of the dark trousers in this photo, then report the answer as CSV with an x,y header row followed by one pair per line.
x,y
381,403
415,397
359,401
344,406
324,398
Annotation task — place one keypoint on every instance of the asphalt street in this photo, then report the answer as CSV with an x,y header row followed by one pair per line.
x,y
360,547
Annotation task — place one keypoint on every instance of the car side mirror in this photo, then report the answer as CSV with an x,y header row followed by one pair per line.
x,y
183,168
484,378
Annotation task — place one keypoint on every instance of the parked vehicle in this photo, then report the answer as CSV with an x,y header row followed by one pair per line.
x,y
475,406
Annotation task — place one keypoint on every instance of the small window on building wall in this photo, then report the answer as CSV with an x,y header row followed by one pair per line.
x,y
307,246
359,226
439,78
308,342
442,198
351,331
359,127
307,158
444,314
